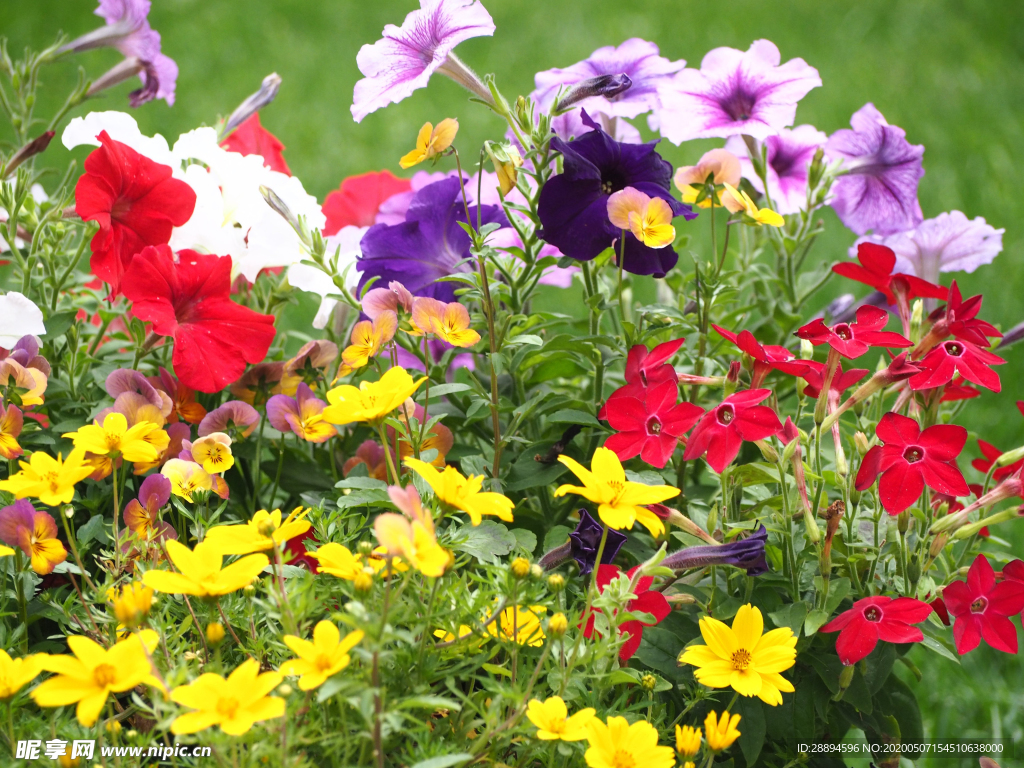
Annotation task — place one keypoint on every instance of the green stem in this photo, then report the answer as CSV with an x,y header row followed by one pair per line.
x,y
22,603
257,470
586,611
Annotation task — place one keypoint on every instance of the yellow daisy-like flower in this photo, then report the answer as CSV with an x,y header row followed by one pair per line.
x,y
431,141
5,551
687,740
115,438
200,571
213,452
743,656
554,723
235,704
464,631
337,560
15,674
721,732
326,655
131,603
50,480
411,535
261,533
463,493
519,624
371,401
618,744
621,501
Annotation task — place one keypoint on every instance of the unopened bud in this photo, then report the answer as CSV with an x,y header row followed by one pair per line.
x,y
732,378
556,582
767,451
131,733
938,544
284,689
113,727
281,208
363,581
365,548
214,633
520,567
1010,457
558,625
536,571
806,350
249,590
506,160
916,318
817,168
648,682
254,103
602,85
33,148
842,466
846,676
903,521
860,440
69,511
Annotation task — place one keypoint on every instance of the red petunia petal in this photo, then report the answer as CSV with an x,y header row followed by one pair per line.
x,y
358,200
251,138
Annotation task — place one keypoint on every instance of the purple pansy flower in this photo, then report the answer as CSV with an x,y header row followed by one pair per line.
x,y
405,57
236,417
733,93
583,545
790,152
26,352
635,58
948,243
301,415
747,554
429,244
573,207
878,190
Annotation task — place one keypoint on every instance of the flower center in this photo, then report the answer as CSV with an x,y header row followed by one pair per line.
x,y
618,488
654,426
843,331
954,348
726,413
622,759
113,440
227,706
979,605
740,104
740,659
324,662
913,454
104,675
873,614
612,180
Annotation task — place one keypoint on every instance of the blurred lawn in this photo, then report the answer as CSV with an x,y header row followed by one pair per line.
x,y
950,72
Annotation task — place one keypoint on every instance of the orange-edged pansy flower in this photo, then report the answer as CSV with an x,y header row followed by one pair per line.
x,y
448,322
35,533
302,414
649,219
11,423
368,339
431,141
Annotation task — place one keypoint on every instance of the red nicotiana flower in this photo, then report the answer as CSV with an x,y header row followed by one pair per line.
x,y
958,390
959,318
653,603
356,202
911,459
851,340
722,430
1014,571
983,608
991,453
841,381
875,269
296,547
650,425
766,357
876,618
955,356
190,300
251,138
135,201
645,369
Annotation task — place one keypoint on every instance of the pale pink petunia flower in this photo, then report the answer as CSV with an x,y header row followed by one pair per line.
x,y
790,152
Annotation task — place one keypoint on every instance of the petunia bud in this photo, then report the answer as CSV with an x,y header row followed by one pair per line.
x,y
254,103
33,148
605,86
281,208
814,173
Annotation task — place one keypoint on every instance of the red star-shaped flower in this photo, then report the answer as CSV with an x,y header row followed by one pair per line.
x,y
251,138
651,425
842,381
135,201
722,430
909,459
954,356
875,269
960,319
877,618
645,368
983,608
357,201
190,300
851,340
766,357
646,601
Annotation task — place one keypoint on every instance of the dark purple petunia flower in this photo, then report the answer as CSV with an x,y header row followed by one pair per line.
x,y
583,544
790,153
747,554
428,245
573,207
881,171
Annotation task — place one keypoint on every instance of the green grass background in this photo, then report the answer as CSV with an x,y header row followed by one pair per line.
x,y
950,72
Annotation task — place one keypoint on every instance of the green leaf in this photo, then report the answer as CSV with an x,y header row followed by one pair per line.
x,y
442,389
428,702
837,590
494,669
444,761
570,416
373,497
526,539
752,728
94,529
556,537
935,645
364,483
487,541
59,323
659,650
624,677
791,616
526,338
814,621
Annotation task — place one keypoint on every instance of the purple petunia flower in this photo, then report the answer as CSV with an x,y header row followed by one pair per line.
x,y
878,189
790,152
583,545
734,93
129,32
948,243
573,207
405,57
635,58
747,554
428,245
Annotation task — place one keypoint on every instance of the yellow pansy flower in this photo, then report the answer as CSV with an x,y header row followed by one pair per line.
x,y
371,401
431,141
200,571
721,732
234,704
28,383
368,338
736,200
743,656
553,721
621,501
261,533
50,480
448,322
619,744
648,218
187,478
723,167
116,438
326,655
463,493
213,453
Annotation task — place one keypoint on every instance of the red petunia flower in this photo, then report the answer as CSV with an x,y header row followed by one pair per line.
x,y
356,202
875,269
851,340
646,601
722,430
991,453
190,300
251,138
983,608
651,425
876,618
955,356
959,318
136,202
909,459
766,357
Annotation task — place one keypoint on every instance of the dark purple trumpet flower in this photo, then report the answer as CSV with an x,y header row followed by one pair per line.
x,y
573,207
583,544
605,86
747,554
878,189
428,245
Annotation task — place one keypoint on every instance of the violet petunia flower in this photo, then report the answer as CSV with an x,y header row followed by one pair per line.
x,y
405,57
790,152
948,243
637,59
428,245
583,545
734,93
747,554
877,188
573,207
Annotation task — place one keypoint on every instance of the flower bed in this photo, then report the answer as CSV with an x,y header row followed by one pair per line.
x,y
443,527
